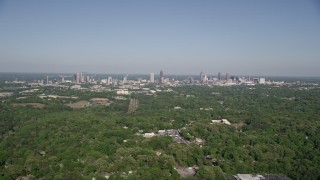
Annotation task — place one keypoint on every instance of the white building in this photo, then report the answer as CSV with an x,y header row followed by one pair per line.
x,y
216,121
151,77
109,81
225,121
104,81
75,87
148,135
262,80
205,79
122,91
222,121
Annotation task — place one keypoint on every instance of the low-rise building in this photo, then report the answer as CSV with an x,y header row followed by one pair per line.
x,y
186,172
225,121
123,92
260,177
222,121
199,141
6,94
148,135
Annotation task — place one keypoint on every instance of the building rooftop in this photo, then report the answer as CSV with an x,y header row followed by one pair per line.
x,y
260,177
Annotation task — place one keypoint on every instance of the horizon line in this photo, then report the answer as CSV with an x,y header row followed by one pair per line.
x,y
170,74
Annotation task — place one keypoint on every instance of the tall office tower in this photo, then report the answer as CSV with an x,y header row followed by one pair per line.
x,y
161,77
201,76
151,77
62,79
47,80
248,79
219,76
78,78
82,78
227,76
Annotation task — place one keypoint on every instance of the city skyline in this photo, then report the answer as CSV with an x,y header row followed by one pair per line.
x,y
246,38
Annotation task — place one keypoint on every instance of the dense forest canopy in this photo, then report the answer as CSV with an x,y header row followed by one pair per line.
x,y
273,130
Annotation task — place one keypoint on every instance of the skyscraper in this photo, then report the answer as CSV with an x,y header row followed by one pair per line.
x,y
82,79
161,77
78,78
74,78
227,76
151,77
201,77
219,76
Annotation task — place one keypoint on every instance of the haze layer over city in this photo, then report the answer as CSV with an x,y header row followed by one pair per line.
x,y
170,89
275,38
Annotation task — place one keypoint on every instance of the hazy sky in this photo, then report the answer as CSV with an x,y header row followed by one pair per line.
x,y
270,37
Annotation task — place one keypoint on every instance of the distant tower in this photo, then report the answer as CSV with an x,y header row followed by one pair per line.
x,y
78,78
219,76
151,77
201,77
47,79
161,77
227,76
82,79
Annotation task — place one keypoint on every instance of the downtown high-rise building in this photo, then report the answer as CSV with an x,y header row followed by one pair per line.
x,y
161,77
78,78
201,76
151,77
227,76
219,76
